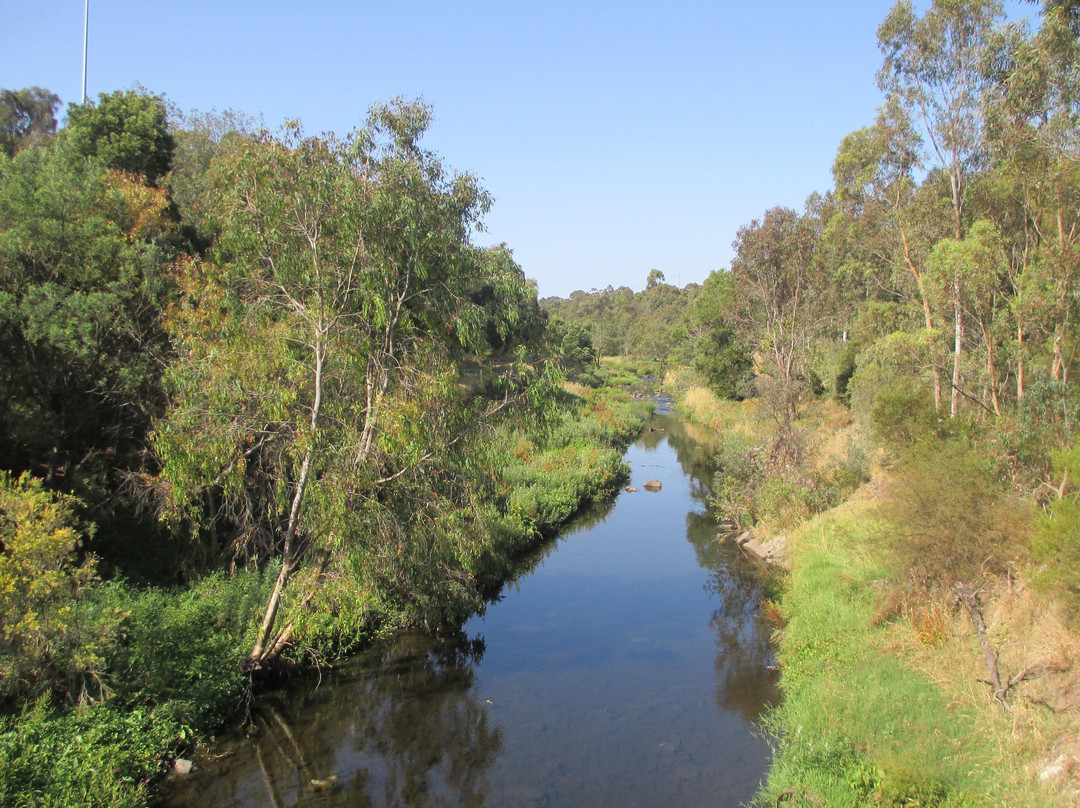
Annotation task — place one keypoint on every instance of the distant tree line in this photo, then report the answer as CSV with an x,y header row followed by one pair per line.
x,y
944,260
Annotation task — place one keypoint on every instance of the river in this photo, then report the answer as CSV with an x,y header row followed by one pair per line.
x,y
628,666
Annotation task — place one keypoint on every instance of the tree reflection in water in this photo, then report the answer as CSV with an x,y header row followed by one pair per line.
x,y
397,727
602,667
746,677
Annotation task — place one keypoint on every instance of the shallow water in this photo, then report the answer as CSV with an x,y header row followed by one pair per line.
x,y
627,668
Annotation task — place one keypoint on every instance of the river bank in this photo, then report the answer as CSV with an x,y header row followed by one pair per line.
x,y
886,694
627,664
176,672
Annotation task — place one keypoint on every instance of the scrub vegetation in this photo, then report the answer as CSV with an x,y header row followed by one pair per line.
x,y
263,401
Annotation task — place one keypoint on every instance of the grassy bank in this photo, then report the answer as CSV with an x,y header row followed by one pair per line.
x,y
168,665
869,716
886,687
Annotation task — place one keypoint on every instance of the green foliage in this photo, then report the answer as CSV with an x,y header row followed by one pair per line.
x,y
199,139
90,758
1041,425
573,344
182,651
52,639
578,461
125,130
1054,543
723,359
903,416
83,277
741,469
655,324
896,361
27,116
953,519
747,489
556,483
512,316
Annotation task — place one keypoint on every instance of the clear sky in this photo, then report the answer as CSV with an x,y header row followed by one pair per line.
x,y
616,137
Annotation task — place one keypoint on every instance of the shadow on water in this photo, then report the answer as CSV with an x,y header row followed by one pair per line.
x,y
621,667
397,726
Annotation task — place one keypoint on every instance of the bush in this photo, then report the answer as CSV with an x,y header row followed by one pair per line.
x,y
902,415
183,651
1055,544
748,489
52,638
952,520
95,756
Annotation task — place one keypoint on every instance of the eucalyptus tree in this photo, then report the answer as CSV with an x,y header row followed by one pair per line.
x,y
876,184
316,356
935,65
979,261
26,116
1034,115
776,295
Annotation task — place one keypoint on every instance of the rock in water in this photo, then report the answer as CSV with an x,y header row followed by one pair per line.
x,y
182,767
653,485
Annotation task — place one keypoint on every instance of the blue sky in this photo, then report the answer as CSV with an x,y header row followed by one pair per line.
x,y
615,137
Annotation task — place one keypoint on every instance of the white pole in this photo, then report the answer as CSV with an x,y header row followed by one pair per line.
x,y
85,28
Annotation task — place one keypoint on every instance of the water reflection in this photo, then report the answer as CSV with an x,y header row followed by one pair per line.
x,y
399,726
746,677
622,666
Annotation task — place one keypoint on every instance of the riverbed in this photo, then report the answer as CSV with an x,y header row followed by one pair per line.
x,y
628,665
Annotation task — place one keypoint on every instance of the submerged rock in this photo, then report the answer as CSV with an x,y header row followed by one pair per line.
x,y
767,552
653,485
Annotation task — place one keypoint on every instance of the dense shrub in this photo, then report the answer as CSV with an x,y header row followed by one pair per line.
x,y
748,489
1055,544
184,650
952,519
52,636
95,756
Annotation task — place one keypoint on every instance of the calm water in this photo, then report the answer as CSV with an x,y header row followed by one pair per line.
x,y
627,668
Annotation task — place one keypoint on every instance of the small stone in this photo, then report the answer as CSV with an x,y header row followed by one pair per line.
x,y
653,485
631,490
182,766
1055,771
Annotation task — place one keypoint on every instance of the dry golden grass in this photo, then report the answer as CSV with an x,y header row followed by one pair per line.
x,y
831,433
1040,724
707,411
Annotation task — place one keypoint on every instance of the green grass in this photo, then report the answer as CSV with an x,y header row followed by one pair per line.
x,y
858,724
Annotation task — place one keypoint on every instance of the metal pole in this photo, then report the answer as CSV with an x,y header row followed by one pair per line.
x,y
85,28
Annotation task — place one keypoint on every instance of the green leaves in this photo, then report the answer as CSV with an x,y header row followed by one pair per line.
x,y
317,376
125,130
47,640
